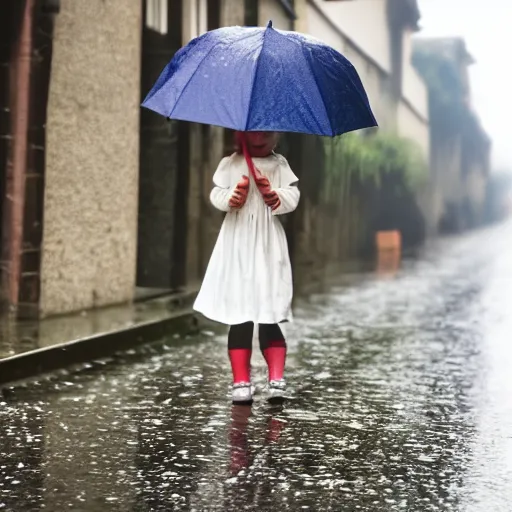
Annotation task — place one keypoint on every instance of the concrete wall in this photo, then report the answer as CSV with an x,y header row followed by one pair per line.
x,y
448,169
91,195
365,22
412,126
444,187
414,89
319,27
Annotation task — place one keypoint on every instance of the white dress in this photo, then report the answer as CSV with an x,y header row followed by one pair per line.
x,y
249,276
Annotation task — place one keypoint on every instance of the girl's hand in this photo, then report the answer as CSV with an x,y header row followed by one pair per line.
x,y
262,183
239,196
272,200
269,195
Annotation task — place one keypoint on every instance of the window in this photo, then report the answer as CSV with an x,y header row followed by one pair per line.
x,y
157,15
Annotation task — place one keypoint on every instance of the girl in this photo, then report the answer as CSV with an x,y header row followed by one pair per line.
x,y
248,281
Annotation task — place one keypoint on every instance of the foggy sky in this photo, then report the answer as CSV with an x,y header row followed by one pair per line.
x,y
487,29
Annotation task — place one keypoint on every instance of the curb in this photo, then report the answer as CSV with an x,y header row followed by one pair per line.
x,y
47,359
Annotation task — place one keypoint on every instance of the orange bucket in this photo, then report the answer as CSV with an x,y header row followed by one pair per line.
x,y
388,240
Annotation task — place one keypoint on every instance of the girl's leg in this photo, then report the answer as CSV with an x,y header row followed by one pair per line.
x,y
240,350
273,347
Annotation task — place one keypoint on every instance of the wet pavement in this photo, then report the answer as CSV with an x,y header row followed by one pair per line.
x,y
401,389
22,337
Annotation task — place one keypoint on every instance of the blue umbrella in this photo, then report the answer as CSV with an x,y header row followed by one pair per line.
x,y
262,79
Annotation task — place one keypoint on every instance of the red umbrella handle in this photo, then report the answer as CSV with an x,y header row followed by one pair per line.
x,y
243,142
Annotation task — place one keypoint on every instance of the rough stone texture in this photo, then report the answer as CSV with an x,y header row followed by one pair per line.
x,y
90,222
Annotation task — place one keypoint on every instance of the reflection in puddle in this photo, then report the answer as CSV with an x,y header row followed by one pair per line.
x,y
242,447
388,263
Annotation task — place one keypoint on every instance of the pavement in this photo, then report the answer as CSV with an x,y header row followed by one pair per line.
x,y
400,390
29,348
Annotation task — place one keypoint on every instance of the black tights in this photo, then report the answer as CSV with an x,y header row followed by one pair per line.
x,y
240,336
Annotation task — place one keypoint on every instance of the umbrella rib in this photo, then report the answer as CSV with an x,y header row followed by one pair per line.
x,y
192,76
365,101
197,68
254,80
319,91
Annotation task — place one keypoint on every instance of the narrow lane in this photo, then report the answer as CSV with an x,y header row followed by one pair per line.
x,y
401,401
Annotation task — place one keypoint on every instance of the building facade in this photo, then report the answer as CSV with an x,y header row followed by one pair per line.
x,y
92,157
102,202
376,36
460,148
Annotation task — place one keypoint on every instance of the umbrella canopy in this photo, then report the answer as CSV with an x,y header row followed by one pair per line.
x,y
262,79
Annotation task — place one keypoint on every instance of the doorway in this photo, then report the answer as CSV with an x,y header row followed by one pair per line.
x,y
164,154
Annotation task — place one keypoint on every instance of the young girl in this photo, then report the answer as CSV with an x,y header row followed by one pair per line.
x,y
249,279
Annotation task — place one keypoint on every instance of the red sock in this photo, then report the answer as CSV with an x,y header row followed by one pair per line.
x,y
275,356
240,364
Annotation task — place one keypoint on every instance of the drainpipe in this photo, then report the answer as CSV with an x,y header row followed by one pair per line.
x,y
15,197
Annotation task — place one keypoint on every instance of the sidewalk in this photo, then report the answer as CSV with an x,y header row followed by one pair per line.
x,y
31,348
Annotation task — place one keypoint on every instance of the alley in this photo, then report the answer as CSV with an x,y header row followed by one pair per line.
x,y
401,392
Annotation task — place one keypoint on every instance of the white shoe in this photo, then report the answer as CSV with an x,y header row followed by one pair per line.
x,y
242,392
276,389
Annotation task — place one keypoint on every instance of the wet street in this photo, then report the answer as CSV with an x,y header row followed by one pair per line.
x,y
401,400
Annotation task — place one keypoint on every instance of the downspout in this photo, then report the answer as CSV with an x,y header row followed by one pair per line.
x,y
15,196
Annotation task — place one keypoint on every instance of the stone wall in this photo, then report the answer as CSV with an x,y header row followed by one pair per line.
x,y
90,221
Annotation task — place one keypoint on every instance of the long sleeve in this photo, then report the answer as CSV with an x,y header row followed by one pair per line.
x,y
220,197
289,197
287,190
223,187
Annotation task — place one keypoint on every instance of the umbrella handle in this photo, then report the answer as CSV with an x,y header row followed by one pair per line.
x,y
243,142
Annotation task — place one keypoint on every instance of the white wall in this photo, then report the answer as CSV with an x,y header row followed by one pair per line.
x,y
365,22
320,28
414,88
412,126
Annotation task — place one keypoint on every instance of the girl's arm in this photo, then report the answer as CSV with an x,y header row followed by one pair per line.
x,y
288,191
220,197
289,199
223,189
